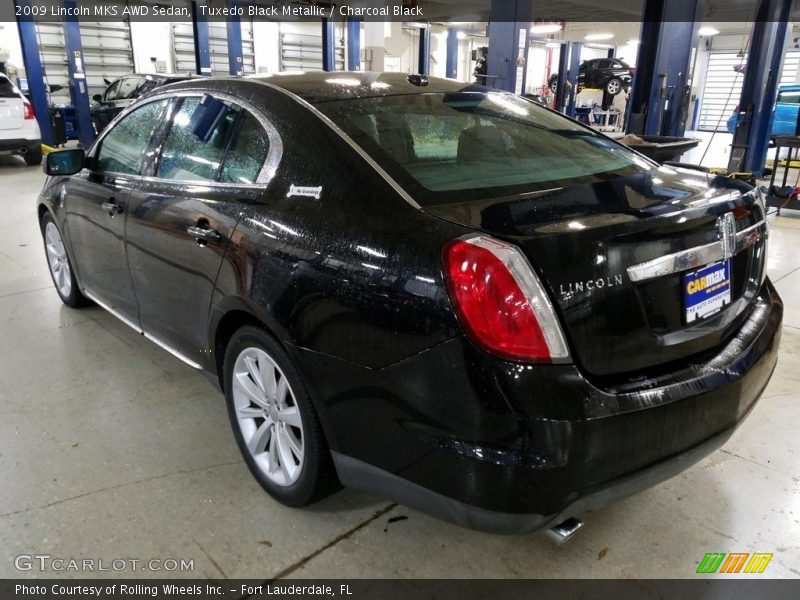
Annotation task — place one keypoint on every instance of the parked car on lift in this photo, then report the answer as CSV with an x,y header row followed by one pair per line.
x,y
436,292
121,92
609,74
785,118
19,131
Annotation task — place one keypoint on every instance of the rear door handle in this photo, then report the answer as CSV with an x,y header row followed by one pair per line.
x,y
203,235
111,207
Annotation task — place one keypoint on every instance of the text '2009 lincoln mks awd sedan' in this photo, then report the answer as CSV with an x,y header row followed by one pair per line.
x,y
439,293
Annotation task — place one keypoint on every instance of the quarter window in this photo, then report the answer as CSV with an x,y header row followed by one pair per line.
x,y
122,149
247,152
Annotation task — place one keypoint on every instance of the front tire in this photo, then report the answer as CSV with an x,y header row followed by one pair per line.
x,y
61,271
274,421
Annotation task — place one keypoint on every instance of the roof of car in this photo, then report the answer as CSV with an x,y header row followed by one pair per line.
x,y
320,86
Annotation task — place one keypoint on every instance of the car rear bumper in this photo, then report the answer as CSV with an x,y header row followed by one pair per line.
x,y
19,145
512,448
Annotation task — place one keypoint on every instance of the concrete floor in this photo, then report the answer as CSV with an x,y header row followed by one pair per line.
x,y
111,448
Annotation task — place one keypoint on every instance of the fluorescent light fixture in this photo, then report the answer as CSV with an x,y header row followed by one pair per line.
x,y
461,35
633,42
552,45
546,28
707,31
597,37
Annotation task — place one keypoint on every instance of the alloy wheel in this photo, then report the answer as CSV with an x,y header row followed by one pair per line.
x,y
613,87
57,260
268,416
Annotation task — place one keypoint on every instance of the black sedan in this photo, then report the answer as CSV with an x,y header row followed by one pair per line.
x,y
122,92
444,294
608,74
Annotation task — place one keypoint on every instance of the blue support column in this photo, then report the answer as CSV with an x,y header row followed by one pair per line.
x,y
451,64
561,86
328,45
509,30
669,32
424,62
78,87
235,58
760,86
353,44
202,40
34,72
574,66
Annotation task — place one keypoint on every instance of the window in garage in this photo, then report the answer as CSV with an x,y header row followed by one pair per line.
x,y
723,86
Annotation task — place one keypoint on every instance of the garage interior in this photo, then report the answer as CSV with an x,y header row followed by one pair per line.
x,y
111,447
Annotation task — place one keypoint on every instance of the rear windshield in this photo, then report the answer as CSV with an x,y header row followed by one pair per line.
x,y
455,147
7,89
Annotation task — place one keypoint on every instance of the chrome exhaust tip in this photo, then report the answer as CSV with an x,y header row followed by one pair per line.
x,y
565,530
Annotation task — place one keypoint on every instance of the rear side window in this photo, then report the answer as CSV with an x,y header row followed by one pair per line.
x,y
468,145
127,88
7,89
122,149
234,152
185,157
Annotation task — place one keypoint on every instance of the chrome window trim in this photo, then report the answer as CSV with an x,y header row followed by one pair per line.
x,y
697,256
324,118
268,169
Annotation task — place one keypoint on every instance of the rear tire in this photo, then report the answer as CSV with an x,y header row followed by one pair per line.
x,y
554,84
33,157
614,86
274,421
61,269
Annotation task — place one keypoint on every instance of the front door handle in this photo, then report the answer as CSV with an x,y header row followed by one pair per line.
x,y
203,235
111,207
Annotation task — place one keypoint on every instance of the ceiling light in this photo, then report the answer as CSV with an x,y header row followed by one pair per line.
x,y
596,37
552,45
461,35
546,28
707,31
633,42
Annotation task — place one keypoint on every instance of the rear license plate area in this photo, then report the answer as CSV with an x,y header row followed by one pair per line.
x,y
706,291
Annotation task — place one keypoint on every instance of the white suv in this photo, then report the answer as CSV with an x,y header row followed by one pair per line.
x,y
19,131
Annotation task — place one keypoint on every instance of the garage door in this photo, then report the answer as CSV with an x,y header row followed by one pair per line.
x,y
723,86
303,52
107,54
183,48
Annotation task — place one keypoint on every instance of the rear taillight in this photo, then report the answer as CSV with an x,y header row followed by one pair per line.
x,y
29,111
500,302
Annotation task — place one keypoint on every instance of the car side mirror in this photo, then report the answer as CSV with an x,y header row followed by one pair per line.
x,y
65,162
97,98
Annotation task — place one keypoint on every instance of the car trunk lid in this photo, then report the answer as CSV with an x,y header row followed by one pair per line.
x,y
616,254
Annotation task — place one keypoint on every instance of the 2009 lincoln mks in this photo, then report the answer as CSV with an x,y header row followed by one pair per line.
x,y
439,293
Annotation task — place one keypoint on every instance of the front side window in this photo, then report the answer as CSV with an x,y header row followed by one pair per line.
x,y
470,145
111,92
234,152
122,149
